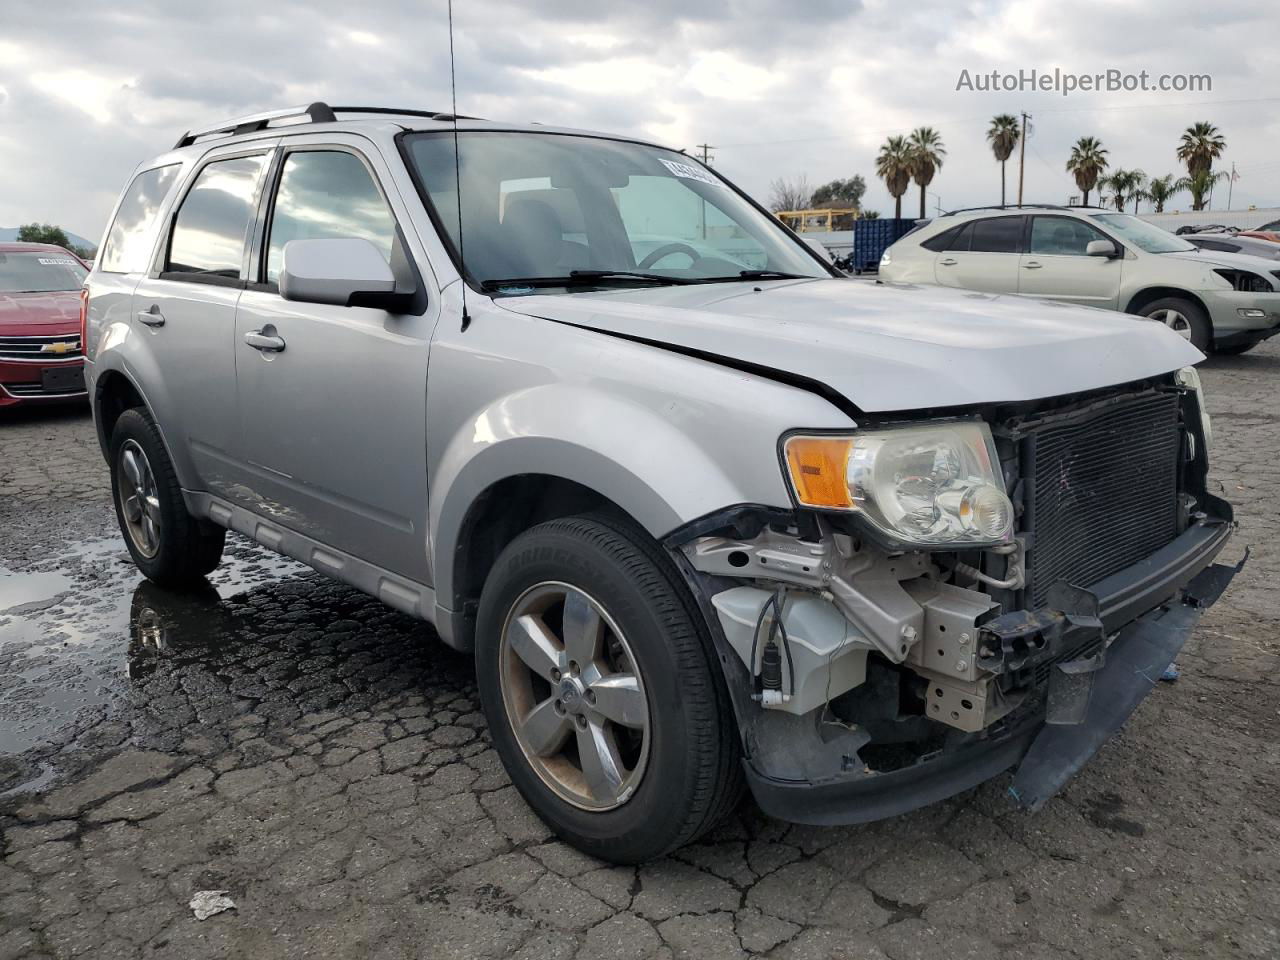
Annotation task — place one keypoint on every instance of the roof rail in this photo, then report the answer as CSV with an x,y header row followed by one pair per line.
x,y
1021,206
318,112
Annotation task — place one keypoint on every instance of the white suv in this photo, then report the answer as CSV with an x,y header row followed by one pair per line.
x,y
1084,255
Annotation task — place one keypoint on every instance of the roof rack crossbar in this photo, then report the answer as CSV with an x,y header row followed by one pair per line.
x,y
318,112
1023,206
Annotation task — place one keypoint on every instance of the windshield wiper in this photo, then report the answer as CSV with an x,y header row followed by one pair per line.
x,y
582,277
771,275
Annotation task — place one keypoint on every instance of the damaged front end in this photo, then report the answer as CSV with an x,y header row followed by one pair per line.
x,y
870,678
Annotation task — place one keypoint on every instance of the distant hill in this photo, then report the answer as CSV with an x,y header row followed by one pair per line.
x,y
9,234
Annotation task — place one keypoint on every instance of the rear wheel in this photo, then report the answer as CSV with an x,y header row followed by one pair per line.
x,y
168,545
1184,317
601,695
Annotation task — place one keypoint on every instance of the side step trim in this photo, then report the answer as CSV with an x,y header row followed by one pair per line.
x,y
407,596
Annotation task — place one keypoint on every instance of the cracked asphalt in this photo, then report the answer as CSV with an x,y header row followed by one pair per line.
x,y
323,760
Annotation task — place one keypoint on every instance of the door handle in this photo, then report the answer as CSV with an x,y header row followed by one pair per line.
x,y
152,317
265,342
947,262
1032,265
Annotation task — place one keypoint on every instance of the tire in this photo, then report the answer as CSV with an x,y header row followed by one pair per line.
x,y
688,754
175,549
1235,349
1185,317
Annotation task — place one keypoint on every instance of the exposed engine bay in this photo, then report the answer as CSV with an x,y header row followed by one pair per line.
x,y
858,658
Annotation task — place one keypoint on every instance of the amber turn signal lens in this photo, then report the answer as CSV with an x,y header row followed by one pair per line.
x,y
819,468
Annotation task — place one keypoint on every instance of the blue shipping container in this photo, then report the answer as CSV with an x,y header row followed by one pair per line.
x,y
871,238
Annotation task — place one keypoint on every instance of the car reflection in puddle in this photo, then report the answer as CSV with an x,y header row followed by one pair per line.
x,y
98,656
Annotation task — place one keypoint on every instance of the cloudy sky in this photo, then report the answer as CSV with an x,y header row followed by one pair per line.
x,y
781,88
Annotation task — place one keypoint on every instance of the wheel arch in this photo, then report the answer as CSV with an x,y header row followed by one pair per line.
x,y
113,393
1151,294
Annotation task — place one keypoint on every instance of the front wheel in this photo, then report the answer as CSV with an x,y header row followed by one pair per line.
x,y
1184,317
602,698
168,545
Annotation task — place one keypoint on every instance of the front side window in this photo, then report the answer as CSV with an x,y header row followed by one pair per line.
x,y
1062,237
1142,234
128,244
536,207
326,194
40,271
997,235
209,233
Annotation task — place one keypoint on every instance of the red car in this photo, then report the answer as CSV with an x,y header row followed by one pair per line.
x,y
41,358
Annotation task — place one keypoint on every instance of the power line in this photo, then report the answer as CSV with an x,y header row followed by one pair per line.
x,y
706,155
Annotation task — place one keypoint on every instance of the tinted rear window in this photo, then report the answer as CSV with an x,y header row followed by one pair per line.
x,y
40,272
997,235
129,240
209,234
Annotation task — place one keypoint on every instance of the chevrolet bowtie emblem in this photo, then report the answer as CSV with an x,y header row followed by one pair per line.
x,y
63,346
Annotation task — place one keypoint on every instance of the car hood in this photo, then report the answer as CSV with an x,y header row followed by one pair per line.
x,y
39,312
885,347
1219,258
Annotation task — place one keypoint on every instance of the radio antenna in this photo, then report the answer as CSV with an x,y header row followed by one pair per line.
x,y
457,171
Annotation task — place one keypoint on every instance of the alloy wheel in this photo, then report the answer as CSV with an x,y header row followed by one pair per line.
x,y
574,696
139,499
1175,321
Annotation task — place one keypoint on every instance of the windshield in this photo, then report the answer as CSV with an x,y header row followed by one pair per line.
x,y
40,272
542,206
1143,235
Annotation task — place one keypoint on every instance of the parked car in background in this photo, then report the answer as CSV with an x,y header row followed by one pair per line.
x,y
1226,302
703,527
1268,231
1234,243
40,348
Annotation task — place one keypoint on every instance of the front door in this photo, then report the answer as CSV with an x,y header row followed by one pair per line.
x,y
186,309
983,256
333,409
1057,266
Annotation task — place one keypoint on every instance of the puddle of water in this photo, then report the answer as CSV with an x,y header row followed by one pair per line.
x,y
26,591
74,632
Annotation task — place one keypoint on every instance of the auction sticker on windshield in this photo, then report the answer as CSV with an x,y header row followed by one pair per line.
x,y
688,171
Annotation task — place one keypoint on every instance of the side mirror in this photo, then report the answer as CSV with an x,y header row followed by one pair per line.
x,y
819,249
1101,248
341,271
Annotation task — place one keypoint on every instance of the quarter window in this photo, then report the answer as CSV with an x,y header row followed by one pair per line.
x,y
1062,237
209,233
128,243
326,194
997,235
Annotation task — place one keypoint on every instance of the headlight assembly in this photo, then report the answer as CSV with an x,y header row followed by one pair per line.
x,y
928,485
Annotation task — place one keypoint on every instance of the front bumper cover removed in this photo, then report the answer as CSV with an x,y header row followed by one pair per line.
x,y
1150,609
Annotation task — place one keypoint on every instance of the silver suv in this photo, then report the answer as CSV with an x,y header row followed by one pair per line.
x,y
707,512
1227,302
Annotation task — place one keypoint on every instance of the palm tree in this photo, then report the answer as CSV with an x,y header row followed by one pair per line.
x,y
1201,144
1003,136
893,166
1162,189
1125,185
1200,185
1087,161
927,152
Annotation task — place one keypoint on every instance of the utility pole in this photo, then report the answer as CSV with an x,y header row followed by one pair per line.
x,y
1022,155
1231,188
706,158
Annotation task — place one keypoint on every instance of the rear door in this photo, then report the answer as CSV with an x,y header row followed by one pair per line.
x,y
334,423
185,311
1057,266
983,255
